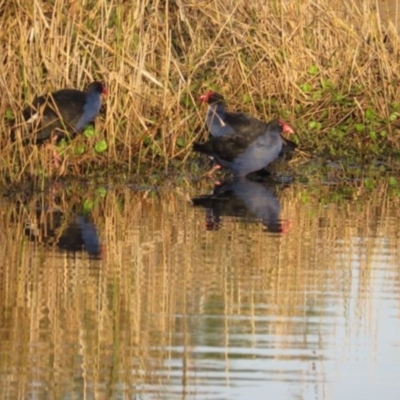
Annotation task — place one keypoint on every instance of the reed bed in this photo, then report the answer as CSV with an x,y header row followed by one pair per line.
x,y
330,69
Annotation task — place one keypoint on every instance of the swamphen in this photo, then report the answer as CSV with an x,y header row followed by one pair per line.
x,y
63,113
249,148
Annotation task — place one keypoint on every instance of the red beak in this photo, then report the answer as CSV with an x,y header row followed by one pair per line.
x,y
286,128
204,97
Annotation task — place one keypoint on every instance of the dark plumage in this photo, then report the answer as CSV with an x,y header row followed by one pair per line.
x,y
221,122
62,113
250,147
288,149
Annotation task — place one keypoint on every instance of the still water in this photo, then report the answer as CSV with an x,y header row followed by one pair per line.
x,y
250,291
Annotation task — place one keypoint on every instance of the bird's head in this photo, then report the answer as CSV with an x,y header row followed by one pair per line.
x,y
98,87
211,97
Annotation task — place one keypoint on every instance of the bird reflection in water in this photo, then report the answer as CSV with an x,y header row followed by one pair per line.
x,y
54,218
78,233
246,199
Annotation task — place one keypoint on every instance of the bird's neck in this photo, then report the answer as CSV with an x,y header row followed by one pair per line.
x,y
218,108
216,114
92,97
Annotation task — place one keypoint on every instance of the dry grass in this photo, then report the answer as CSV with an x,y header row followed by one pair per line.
x,y
317,61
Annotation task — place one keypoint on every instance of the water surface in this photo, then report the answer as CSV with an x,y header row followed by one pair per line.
x,y
258,291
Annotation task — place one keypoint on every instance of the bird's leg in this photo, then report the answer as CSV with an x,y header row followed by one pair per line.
x,y
56,157
285,226
210,173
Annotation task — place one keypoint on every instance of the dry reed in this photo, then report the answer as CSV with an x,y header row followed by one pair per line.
x,y
320,64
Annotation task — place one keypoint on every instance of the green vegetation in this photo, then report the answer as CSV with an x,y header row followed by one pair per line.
x,y
327,67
